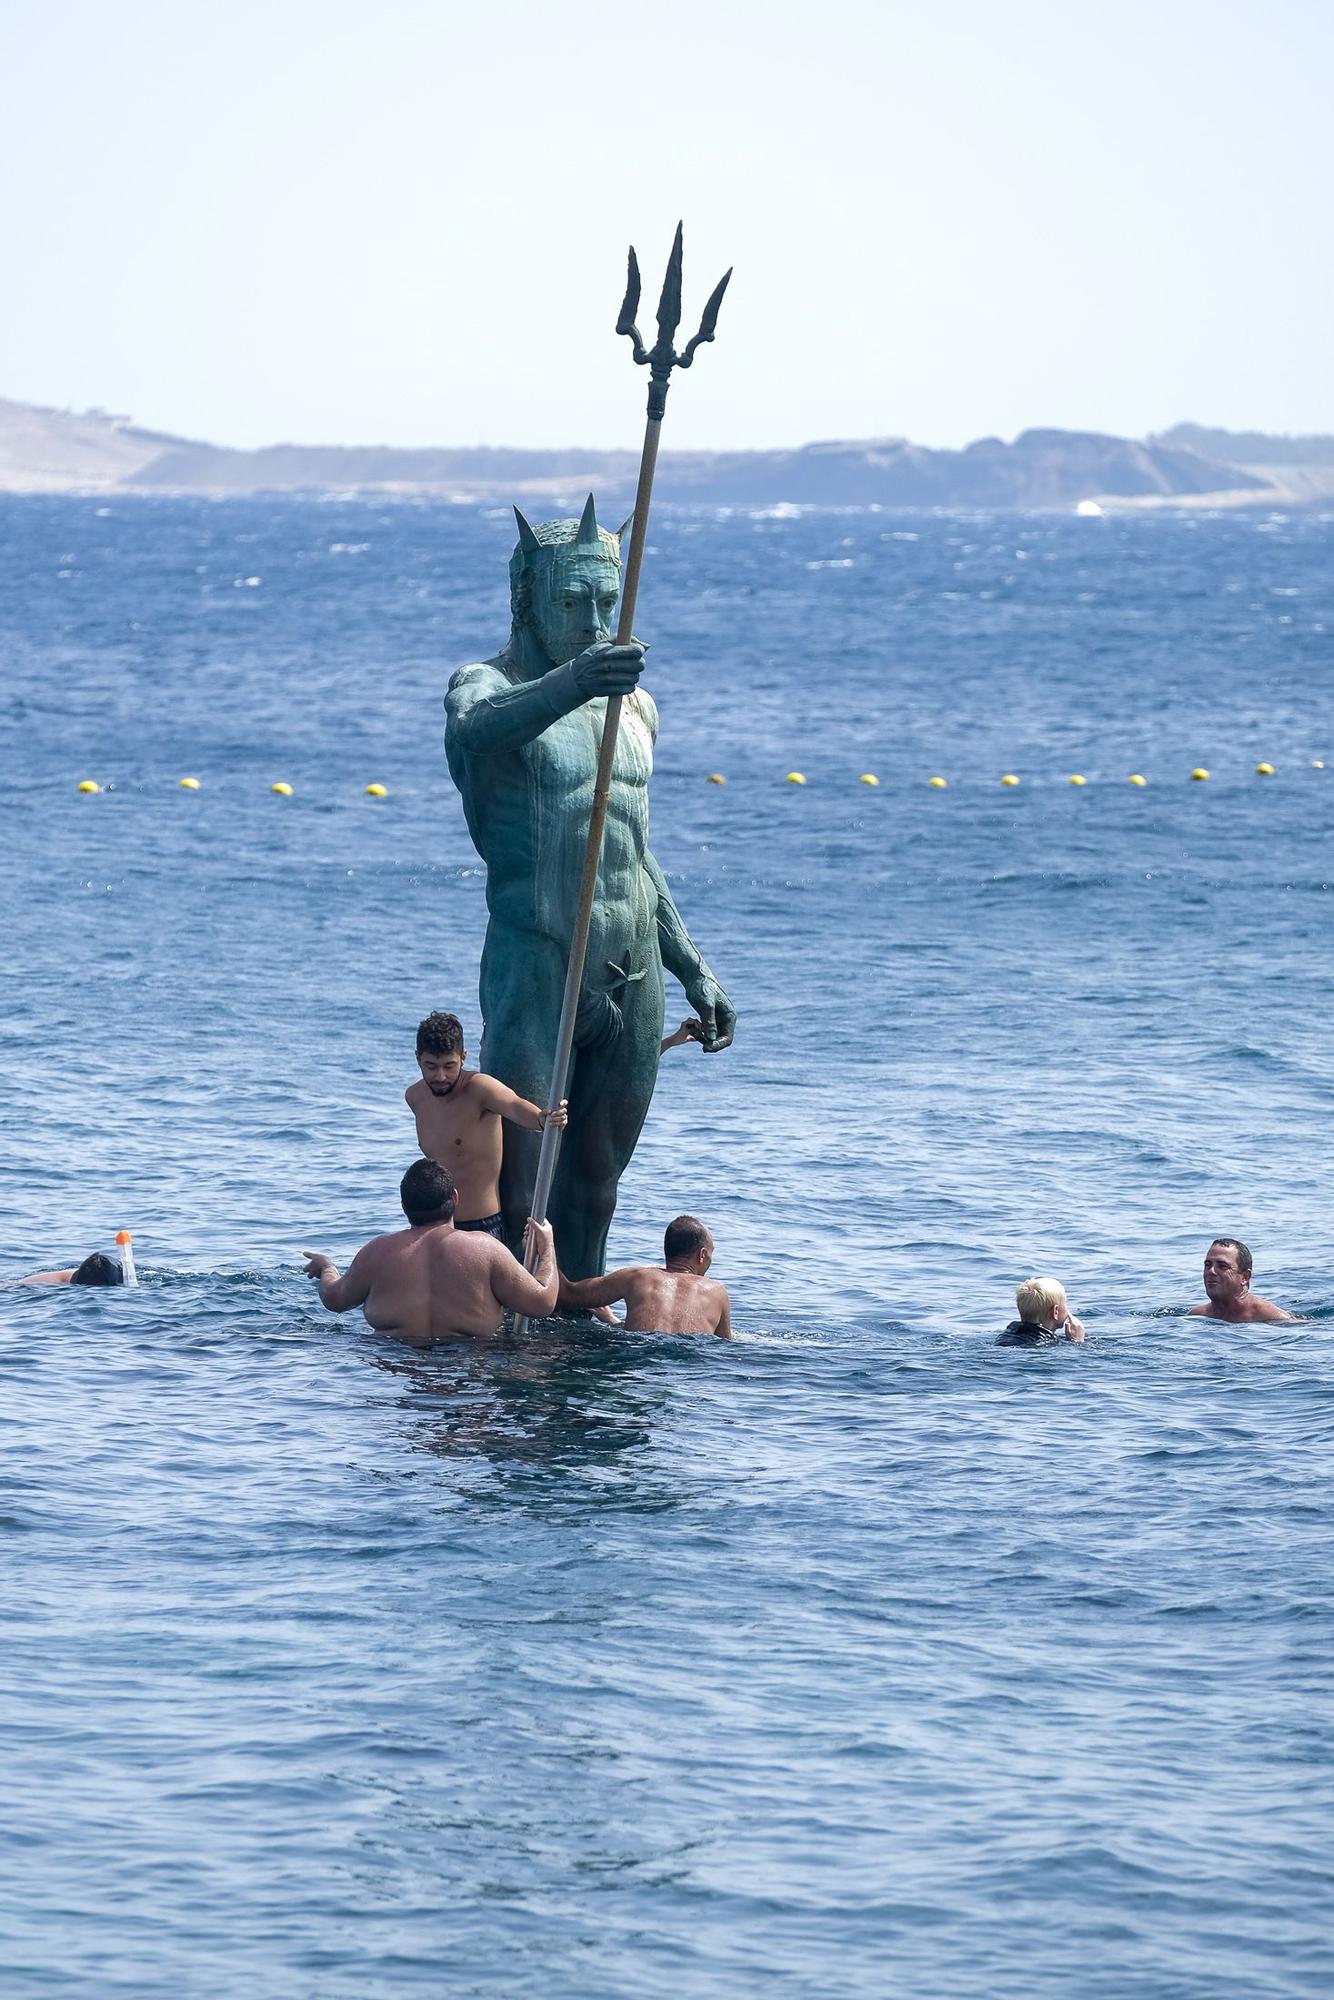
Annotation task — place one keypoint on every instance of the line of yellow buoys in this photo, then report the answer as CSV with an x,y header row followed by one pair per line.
x,y
1011,778
936,783
281,787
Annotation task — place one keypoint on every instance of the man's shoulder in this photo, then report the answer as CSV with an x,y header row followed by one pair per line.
x,y
483,1088
464,1249
1204,1311
381,1247
1274,1315
415,1092
634,1276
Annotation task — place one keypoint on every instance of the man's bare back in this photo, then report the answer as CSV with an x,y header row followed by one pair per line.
x,y
432,1282
671,1298
660,1301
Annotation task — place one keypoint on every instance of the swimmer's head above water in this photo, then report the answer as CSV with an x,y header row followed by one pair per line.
x,y
99,1269
1042,1302
1044,1315
687,1245
1228,1265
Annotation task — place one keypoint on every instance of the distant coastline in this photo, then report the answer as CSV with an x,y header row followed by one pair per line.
x,y
63,451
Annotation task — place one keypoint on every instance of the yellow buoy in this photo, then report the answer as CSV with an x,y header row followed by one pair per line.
x,y
1137,778
717,778
795,778
869,778
377,791
189,784
89,785
1009,779
1317,763
938,784
282,788
1264,770
1199,774
1076,778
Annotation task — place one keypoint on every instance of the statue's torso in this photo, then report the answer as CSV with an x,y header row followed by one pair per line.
x,y
528,811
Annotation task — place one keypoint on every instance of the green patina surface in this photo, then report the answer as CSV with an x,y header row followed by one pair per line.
x,y
521,736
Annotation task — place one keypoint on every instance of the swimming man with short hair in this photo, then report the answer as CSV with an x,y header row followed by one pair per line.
x,y
431,1281
458,1113
1227,1280
676,1299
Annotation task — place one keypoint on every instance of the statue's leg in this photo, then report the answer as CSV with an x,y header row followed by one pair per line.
x,y
610,1092
523,976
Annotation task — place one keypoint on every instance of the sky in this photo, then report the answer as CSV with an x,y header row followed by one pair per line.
x,y
406,223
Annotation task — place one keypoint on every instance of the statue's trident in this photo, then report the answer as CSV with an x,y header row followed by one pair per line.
x,y
660,359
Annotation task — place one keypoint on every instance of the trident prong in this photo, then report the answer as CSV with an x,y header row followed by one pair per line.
x,y
662,357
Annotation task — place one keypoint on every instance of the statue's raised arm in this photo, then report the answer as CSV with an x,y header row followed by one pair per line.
x,y
521,735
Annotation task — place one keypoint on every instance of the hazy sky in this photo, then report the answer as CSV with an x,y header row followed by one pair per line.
x,y
406,222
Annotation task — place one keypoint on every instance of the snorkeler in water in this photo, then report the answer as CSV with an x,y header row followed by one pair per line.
x,y
99,1269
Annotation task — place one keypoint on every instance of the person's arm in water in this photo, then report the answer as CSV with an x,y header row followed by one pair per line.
x,y
532,1293
689,1031
1074,1328
339,1292
487,713
506,1103
45,1278
724,1326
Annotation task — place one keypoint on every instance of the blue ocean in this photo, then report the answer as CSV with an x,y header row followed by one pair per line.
x,y
855,1658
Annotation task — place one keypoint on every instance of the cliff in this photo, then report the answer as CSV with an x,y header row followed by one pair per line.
x,y
61,451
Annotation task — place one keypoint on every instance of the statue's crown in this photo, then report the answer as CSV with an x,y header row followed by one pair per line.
x,y
547,535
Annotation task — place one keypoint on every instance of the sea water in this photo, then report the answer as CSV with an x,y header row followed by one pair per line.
x,y
858,1656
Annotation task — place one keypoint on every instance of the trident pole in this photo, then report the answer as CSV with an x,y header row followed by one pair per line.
x,y
660,360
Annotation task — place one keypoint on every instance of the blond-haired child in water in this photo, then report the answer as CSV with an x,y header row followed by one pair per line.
x,y
1044,1316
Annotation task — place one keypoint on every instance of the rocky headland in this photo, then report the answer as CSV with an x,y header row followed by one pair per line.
x,y
63,451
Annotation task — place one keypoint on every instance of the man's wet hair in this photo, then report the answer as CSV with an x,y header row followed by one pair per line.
x,y
1244,1264
684,1237
427,1193
99,1269
1038,1298
440,1035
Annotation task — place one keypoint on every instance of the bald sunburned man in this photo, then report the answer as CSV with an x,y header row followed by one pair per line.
x,y
673,1298
433,1281
1227,1280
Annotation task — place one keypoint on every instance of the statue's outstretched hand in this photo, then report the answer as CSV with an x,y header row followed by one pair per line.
x,y
716,1013
606,668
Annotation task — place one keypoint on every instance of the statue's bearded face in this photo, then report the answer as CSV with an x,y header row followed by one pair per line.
x,y
574,593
